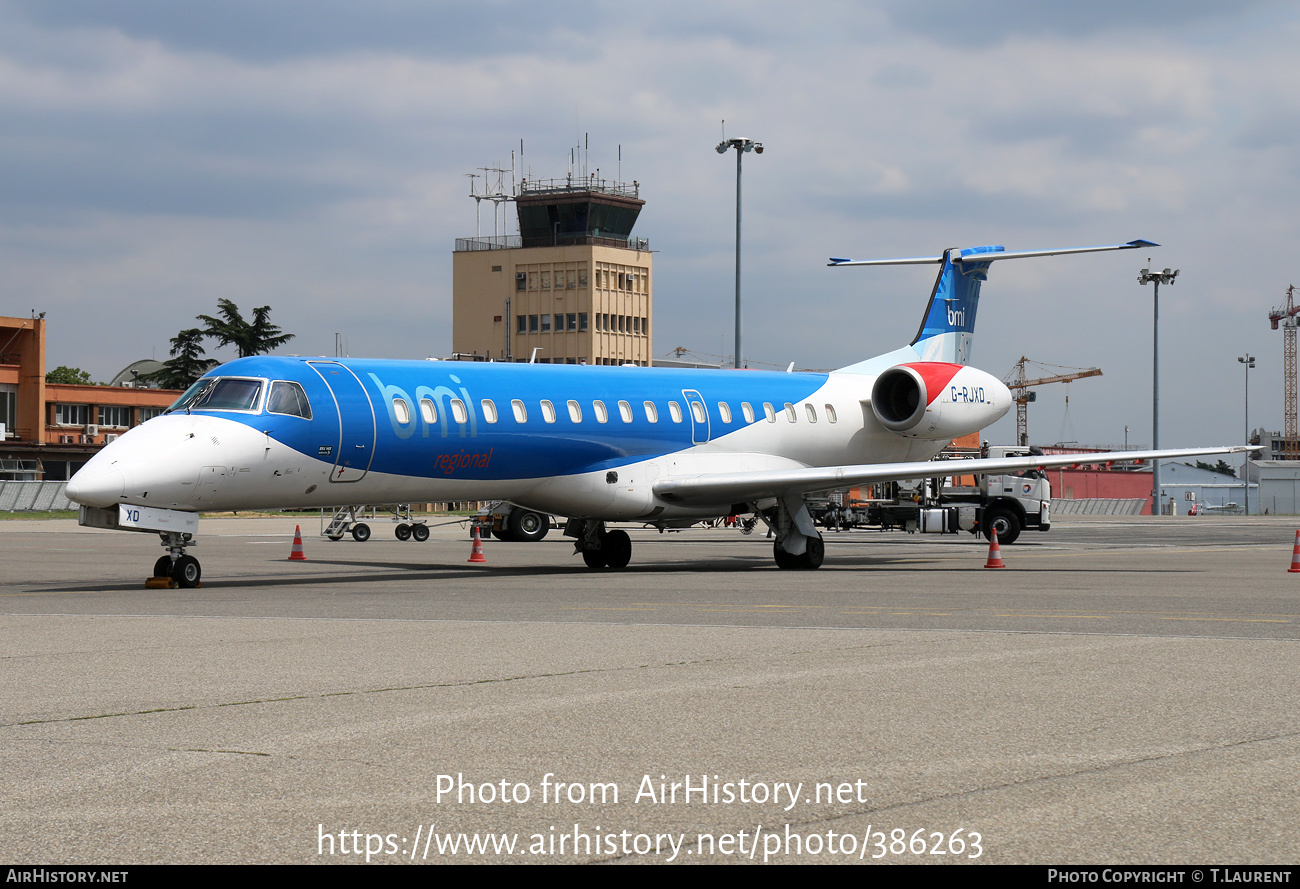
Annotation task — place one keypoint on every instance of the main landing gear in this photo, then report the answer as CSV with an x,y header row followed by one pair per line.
x,y
798,544
600,548
183,569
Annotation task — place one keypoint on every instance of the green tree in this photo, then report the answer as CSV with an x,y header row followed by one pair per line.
x,y
1221,467
249,338
187,363
65,374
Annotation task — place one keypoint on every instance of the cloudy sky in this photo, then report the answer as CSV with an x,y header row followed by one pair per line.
x,y
312,155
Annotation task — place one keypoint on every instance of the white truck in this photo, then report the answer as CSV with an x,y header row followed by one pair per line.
x,y
1010,503
505,521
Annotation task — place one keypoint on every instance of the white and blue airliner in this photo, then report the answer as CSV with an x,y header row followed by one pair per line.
x,y
593,444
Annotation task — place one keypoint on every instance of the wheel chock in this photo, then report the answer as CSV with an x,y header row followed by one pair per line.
x,y
160,583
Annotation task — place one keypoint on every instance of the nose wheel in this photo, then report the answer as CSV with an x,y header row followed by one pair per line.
x,y
180,567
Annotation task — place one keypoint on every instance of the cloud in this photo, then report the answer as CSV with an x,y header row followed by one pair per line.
x,y
313,156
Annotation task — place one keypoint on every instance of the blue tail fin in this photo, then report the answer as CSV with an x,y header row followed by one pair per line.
x,y
949,323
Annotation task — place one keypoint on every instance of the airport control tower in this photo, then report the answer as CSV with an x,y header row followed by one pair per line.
x,y
574,285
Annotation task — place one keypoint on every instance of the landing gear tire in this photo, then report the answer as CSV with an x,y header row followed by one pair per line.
x,y
811,558
784,560
163,567
528,526
617,547
420,533
595,558
1006,523
814,555
360,532
186,572
402,532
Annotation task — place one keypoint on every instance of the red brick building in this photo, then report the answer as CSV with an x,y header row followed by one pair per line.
x,y
51,429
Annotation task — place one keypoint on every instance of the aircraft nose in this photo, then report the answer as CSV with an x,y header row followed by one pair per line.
x,y
97,488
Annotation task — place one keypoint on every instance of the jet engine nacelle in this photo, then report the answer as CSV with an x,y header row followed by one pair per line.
x,y
937,401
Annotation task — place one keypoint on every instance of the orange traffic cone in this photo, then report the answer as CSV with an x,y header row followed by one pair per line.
x,y
1295,556
297,554
476,554
995,554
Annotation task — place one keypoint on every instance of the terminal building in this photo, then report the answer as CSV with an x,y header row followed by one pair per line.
x,y
49,430
573,287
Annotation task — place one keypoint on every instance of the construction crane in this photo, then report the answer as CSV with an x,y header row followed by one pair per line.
x,y
1019,385
1286,316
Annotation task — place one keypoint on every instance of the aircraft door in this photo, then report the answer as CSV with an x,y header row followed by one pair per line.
x,y
210,479
356,413
699,413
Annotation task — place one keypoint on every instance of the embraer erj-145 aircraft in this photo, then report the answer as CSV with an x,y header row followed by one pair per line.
x,y
594,444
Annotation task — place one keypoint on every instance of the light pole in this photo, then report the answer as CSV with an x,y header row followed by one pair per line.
x,y
1156,278
1249,361
741,146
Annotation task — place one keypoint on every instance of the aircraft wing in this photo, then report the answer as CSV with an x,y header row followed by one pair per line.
x,y
742,487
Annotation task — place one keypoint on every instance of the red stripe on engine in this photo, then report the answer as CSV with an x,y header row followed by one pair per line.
x,y
936,375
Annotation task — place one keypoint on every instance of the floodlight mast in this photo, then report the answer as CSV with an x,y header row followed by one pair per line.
x,y
1249,361
1156,278
741,145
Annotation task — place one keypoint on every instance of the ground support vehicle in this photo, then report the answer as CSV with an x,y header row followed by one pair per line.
x,y
505,521
946,503
347,520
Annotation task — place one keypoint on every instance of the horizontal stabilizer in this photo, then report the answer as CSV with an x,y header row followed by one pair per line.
x,y
958,257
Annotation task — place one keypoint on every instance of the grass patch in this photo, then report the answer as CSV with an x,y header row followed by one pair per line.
x,y
34,514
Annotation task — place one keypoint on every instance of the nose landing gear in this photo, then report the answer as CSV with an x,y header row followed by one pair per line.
x,y
181,568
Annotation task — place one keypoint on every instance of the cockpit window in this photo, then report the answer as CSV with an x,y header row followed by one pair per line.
x,y
288,398
220,394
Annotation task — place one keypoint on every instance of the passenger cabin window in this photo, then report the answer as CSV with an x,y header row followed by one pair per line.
x,y
769,412
287,397
575,411
489,410
830,414
724,411
748,410
548,412
402,411
651,413
602,415
675,411
698,412
458,412
812,413
625,411
521,412
428,411
789,412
